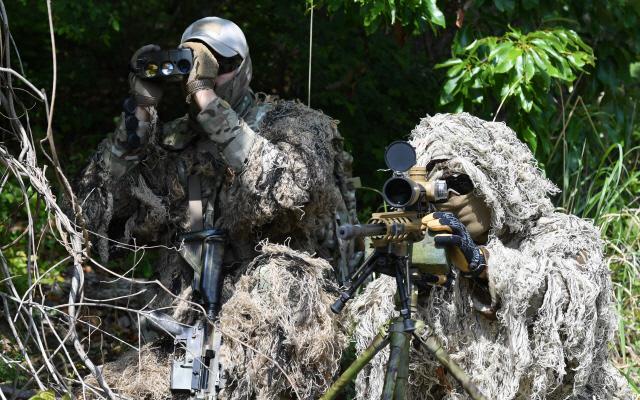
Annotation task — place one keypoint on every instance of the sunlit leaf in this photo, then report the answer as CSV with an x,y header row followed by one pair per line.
x,y
436,16
506,59
448,63
529,136
48,395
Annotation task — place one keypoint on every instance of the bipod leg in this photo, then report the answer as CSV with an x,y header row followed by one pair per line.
x,y
378,343
356,281
403,286
402,379
435,348
395,382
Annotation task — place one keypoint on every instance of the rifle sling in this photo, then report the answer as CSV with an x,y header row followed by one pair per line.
x,y
196,222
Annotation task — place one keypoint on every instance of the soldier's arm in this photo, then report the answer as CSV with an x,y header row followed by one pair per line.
x,y
104,186
280,173
233,136
126,146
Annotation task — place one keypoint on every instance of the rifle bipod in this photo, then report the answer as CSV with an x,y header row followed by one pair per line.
x,y
401,330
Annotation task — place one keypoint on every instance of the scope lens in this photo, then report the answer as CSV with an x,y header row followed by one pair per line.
x,y
151,70
184,66
167,68
398,192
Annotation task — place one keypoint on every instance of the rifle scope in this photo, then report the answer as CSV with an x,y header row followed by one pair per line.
x,y
402,191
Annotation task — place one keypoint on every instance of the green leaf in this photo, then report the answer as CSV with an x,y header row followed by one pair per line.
x,y
525,102
48,395
542,62
455,70
576,60
634,70
435,15
505,5
520,67
448,63
529,67
115,23
472,46
506,58
529,136
449,90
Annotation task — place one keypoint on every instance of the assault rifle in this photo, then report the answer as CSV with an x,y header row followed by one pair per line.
x,y
196,367
403,251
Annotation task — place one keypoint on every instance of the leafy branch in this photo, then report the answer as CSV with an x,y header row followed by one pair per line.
x,y
515,66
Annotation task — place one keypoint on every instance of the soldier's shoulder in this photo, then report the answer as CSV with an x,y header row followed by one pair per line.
x,y
566,235
292,117
560,221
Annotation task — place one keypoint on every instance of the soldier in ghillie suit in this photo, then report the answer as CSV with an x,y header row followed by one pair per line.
x,y
263,171
530,312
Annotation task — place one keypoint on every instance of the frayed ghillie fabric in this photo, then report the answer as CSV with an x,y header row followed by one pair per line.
x,y
547,279
140,375
370,311
279,314
288,184
501,167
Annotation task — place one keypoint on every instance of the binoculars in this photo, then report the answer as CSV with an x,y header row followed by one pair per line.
x,y
168,65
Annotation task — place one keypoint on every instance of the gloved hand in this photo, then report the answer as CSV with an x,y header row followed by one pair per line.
x,y
204,70
472,211
146,92
454,236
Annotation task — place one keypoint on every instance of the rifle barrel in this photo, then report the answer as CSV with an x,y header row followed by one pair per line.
x,y
348,231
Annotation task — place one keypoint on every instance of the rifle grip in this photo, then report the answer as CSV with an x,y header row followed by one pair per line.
x,y
339,304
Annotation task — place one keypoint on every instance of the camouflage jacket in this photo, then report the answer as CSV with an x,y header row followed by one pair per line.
x,y
291,188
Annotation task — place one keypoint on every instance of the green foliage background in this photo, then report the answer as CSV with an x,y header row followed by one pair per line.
x,y
564,74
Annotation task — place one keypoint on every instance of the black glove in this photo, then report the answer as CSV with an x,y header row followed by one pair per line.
x,y
454,236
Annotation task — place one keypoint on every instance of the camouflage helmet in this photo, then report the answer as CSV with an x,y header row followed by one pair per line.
x,y
221,35
225,38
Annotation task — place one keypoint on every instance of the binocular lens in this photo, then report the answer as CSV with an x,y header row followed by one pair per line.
x,y
184,66
151,70
167,68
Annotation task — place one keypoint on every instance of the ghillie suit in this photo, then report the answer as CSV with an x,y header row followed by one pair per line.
x,y
288,191
548,284
283,291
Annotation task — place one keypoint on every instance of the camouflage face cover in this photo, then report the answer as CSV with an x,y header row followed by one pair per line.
x,y
234,90
227,39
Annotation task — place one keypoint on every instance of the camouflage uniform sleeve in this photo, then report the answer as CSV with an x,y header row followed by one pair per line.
x,y
283,175
232,135
103,187
119,154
